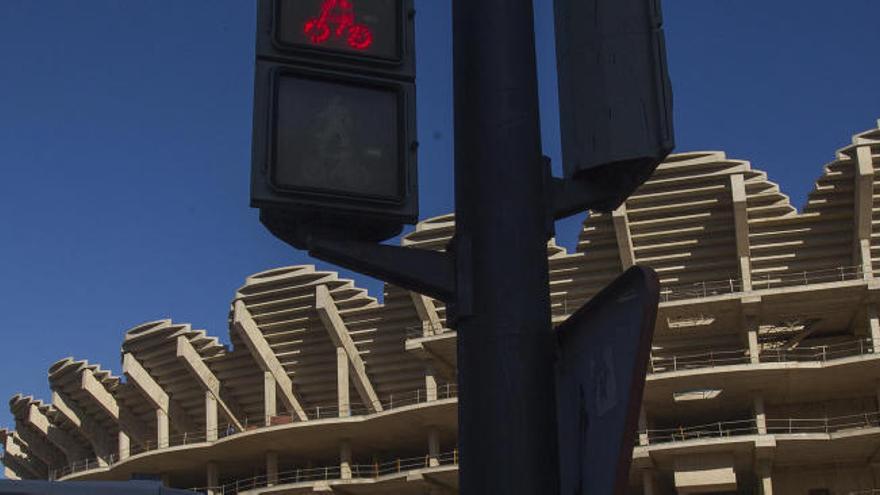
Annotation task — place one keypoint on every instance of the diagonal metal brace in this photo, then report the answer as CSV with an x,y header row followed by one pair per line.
x,y
427,272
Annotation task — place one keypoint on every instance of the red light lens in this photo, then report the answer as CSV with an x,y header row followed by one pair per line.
x,y
363,27
337,18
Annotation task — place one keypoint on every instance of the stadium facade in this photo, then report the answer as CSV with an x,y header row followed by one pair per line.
x,y
764,376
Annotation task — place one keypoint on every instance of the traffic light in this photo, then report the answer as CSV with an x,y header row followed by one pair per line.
x,y
614,92
334,116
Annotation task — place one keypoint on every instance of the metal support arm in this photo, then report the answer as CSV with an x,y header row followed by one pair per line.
x,y
427,272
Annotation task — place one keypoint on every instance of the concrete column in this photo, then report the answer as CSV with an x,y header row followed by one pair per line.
x,y
433,447
760,414
162,430
765,478
342,383
751,321
211,426
212,479
345,460
124,445
271,468
874,326
430,383
270,403
648,483
643,426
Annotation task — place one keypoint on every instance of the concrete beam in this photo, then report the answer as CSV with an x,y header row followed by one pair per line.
x,y
247,329
40,447
193,362
128,425
158,397
14,449
56,436
864,206
741,227
329,314
624,240
427,312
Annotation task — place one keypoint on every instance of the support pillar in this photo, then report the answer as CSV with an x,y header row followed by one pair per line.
x,y
162,430
212,479
643,426
345,460
874,327
430,383
342,383
124,445
211,427
765,477
433,447
648,483
271,468
270,403
760,414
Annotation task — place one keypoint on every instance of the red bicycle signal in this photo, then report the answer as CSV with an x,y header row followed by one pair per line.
x,y
337,18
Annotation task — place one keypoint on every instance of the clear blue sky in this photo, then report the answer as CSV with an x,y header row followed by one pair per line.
x,y
125,146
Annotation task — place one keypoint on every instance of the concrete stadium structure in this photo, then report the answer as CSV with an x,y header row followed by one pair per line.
x,y
764,378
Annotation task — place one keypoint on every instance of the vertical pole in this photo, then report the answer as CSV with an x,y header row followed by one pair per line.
x,y
162,429
270,401
124,445
431,384
211,427
342,383
212,479
345,460
507,405
271,468
433,447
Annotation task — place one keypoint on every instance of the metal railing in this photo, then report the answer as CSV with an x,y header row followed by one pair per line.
x,y
253,423
426,329
711,359
334,473
820,353
790,279
700,289
823,425
562,306
774,426
721,429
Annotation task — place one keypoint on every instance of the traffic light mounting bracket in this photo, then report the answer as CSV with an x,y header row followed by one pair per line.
x,y
431,273
567,197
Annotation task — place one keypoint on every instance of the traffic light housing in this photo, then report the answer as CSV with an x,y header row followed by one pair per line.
x,y
334,148
614,92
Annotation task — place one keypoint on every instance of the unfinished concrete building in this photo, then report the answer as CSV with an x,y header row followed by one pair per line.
x,y
764,376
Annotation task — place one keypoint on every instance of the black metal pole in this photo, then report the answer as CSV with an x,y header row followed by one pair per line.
x,y
507,411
